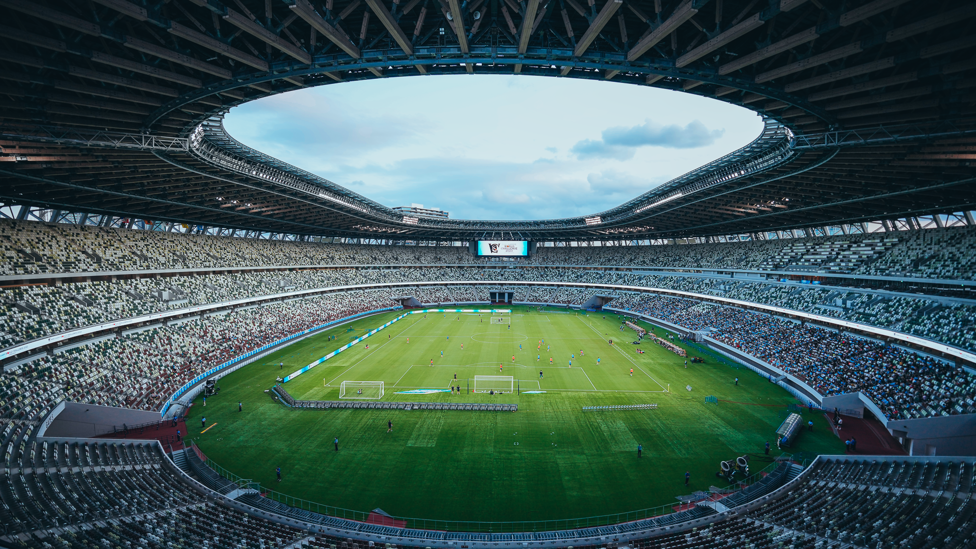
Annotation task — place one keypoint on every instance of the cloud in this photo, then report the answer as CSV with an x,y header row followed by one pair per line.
x,y
692,136
484,189
621,143
588,149
316,126
558,162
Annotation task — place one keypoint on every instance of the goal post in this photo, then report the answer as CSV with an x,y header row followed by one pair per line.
x,y
369,390
499,320
498,384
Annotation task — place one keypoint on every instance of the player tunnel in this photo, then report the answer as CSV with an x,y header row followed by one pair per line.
x,y
408,301
597,302
501,297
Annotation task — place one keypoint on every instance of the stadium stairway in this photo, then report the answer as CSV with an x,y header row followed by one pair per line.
x,y
179,459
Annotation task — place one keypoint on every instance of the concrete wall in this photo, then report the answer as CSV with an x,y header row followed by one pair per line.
x,y
848,401
88,420
940,436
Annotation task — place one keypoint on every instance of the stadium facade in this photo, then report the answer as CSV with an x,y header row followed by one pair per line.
x,y
850,217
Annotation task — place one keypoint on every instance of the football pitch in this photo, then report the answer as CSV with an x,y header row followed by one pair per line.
x,y
549,460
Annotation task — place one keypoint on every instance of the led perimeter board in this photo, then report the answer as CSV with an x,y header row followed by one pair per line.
x,y
503,248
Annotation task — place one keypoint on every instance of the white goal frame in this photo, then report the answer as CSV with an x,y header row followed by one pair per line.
x,y
371,390
499,320
499,384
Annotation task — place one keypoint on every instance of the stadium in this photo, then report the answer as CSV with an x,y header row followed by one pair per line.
x,y
204,345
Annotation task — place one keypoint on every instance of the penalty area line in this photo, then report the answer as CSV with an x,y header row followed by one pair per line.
x,y
588,379
401,377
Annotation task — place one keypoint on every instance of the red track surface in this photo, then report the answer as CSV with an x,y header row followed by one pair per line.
x,y
872,437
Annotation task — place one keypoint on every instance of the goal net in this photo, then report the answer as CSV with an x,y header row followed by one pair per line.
x,y
499,384
361,389
499,320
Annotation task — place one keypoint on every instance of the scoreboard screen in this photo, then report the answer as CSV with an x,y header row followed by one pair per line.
x,y
503,248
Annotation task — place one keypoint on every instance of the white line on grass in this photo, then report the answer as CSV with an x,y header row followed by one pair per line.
x,y
588,379
401,377
329,384
536,381
636,365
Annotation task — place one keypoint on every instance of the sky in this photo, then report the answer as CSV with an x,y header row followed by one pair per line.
x,y
494,147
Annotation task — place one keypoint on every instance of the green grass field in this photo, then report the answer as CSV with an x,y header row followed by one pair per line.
x,y
549,460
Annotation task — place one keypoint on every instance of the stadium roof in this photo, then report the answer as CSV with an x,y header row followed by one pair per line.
x,y
115,106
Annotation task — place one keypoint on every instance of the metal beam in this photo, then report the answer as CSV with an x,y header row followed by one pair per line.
x,y
458,16
94,138
176,57
685,11
212,44
307,13
266,36
121,81
868,10
834,76
33,39
386,18
722,39
882,135
53,16
532,6
763,53
600,21
810,62
148,70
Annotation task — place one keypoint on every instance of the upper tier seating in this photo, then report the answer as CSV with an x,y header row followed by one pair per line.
x,y
39,248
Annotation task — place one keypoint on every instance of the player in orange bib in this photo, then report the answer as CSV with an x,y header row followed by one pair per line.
x,y
513,358
631,372
499,367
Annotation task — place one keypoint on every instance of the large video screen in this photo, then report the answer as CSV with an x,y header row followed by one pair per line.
x,y
503,248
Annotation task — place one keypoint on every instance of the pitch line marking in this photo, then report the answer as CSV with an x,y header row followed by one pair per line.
x,y
329,384
625,356
208,428
536,381
588,379
401,377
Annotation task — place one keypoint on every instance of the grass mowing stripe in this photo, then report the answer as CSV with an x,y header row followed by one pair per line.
x,y
458,465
